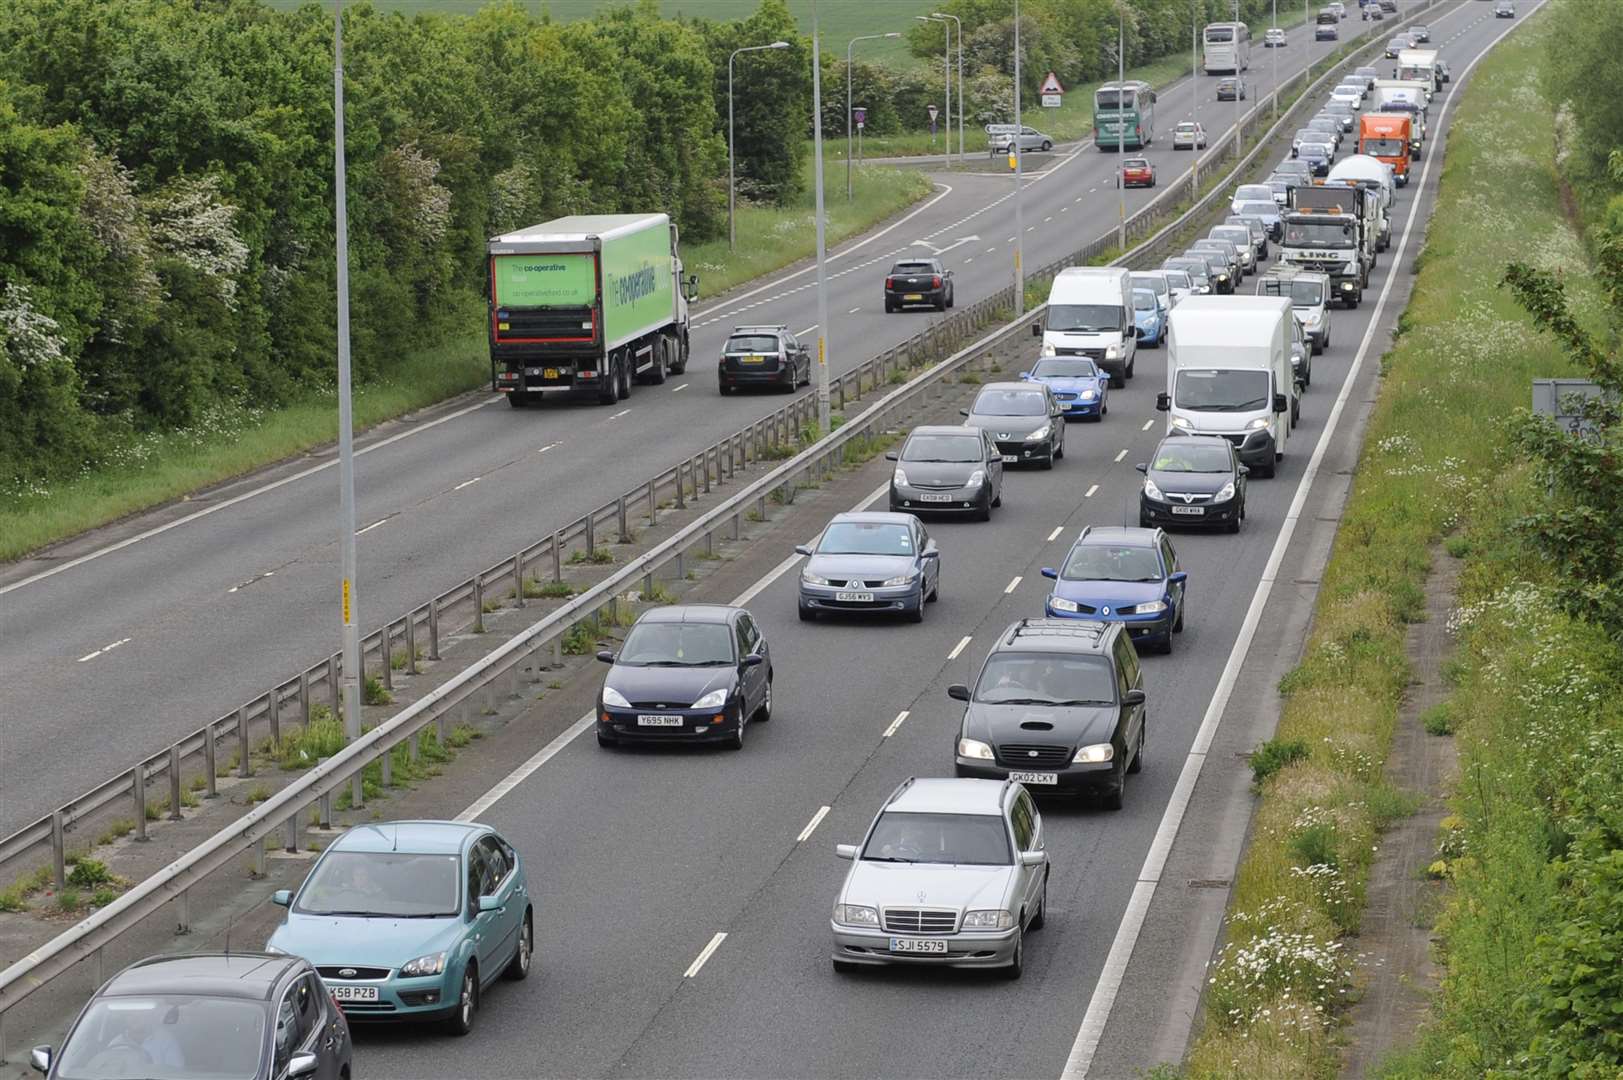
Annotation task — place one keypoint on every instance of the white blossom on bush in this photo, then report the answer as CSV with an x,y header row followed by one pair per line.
x,y
28,337
190,221
427,204
112,212
510,193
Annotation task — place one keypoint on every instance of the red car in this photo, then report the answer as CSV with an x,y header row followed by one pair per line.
x,y
1137,172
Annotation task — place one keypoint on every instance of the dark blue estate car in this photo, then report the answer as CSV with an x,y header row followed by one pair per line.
x,y
1124,575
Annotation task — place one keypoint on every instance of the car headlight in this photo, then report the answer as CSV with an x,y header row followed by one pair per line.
x,y
1047,350
433,964
1059,603
900,579
1311,319
976,478
1181,422
1258,424
1203,289
899,478
1225,493
715,699
1095,754
1112,352
1222,277
614,698
974,748
998,919
1088,395
1150,607
812,579
1040,434
1152,491
855,915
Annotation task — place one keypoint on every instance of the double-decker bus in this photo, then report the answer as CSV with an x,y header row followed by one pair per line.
x,y
1124,115
1227,48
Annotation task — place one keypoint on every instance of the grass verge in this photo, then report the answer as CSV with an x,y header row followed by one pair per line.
x,y
1462,364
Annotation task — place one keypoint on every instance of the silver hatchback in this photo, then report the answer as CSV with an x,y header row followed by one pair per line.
x,y
952,873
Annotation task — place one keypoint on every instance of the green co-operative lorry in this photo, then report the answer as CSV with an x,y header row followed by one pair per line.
x,y
587,304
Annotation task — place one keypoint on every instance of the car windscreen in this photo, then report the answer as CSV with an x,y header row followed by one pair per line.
x,y
1191,457
1010,402
1320,234
866,538
1136,163
1151,281
1252,191
1261,209
752,343
1185,128
1111,562
1065,367
1219,34
912,268
1098,318
1240,237
166,1037
1178,279
382,884
943,448
1021,678
1197,269
1307,293
1221,391
1383,147
672,644
1144,300
954,839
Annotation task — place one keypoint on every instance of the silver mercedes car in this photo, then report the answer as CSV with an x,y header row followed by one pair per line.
x,y
952,872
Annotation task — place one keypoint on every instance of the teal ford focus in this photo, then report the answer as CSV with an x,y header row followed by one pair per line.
x,y
412,920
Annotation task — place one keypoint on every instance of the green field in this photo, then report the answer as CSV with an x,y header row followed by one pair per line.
x,y
838,21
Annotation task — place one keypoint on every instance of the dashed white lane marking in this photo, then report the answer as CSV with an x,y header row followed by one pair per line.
x,y
619,414
969,260
103,649
554,446
1121,455
679,389
894,724
854,310
1013,585
1147,425
370,527
990,250
715,943
1091,190
1055,534
1089,493
963,643
465,483
811,826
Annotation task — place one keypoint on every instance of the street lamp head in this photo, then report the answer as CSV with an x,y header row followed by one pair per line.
x,y
894,33
778,45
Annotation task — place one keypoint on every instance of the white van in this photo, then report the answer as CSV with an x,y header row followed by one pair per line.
x,y
1229,374
1090,313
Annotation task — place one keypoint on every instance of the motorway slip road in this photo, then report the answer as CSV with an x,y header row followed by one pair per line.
x,y
154,638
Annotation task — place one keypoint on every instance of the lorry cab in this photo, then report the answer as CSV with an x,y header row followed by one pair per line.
x,y
1090,313
1229,374
1388,137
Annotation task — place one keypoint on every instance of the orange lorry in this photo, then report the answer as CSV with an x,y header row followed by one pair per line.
x,y
1385,137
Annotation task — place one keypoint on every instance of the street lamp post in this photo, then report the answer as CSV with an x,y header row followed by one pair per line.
x,y
946,64
824,421
732,235
1239,81
1019,218
960,23
1121,129
1276,62
849,113
351,680
1194,81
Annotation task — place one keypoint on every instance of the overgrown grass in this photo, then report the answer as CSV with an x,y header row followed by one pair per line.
x,y
1431,459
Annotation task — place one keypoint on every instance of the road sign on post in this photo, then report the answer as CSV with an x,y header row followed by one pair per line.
x,y
860,115
1053,94
934,112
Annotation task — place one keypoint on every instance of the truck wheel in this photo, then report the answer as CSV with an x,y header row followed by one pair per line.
x,y
608,387
662,354
680,366
627,376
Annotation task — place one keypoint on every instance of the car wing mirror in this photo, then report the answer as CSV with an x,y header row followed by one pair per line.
x,y
1036,329
282,897
1178,578
40,1058
1143,467
1163,401
891,455
931,552
1050,572
845,851
490,903
303,1063
1245,470
1032,858
963,412
1280,404
958,692
1133,697
754,660
606,655
802,549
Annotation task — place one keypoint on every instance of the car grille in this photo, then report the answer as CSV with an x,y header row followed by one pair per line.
x,y
920,921
1033,754
1184,498
355,1008
356,972
1065,397
1091,354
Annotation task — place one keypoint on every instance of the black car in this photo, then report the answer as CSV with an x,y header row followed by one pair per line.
x,y
945,469
1059,707
764,356
686,673
1193,480
1218,269
918,281
206,1014
1024,419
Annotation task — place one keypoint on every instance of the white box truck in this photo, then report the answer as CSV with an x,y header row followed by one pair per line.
x,y
1419,65
587,304
1229,374
1090,313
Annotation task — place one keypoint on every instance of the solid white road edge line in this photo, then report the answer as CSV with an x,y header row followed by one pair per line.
x,y
234,500
811,826
715,943
505,786
894,724
1104,993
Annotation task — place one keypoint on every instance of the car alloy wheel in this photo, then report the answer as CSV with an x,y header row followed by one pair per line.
x,y
1138,759
737,741
467,1005
519,968
765,712
1018,964
1041,917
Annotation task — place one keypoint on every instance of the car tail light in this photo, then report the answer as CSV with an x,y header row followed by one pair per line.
x,y
890,283
935,282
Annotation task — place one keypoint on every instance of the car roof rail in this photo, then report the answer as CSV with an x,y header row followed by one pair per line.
x,y
900,790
